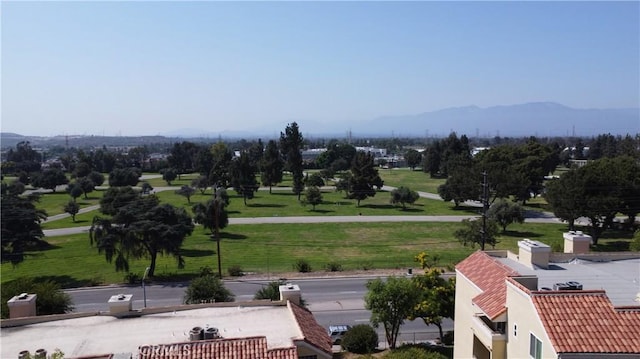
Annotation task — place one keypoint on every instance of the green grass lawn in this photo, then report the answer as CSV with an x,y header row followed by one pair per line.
x,y
54,203
269,248
416,180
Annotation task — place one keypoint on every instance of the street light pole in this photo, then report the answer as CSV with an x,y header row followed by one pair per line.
x,y
144,290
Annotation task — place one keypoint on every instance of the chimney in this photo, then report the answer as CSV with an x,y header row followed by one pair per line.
x,y
120,304
290,292
534,253
22,305
576,242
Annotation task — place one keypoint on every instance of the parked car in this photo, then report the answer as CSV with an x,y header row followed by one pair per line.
x,y
336,332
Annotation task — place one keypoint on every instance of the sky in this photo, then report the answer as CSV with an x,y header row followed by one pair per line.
x,y
148,68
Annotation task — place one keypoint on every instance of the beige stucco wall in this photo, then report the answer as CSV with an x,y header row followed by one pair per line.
x,y
465,310
522,313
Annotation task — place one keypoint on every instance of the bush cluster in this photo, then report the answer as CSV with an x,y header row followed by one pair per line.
x,y
360,339
302,266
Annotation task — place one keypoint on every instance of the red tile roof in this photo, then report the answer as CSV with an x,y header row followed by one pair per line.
x,y
312,332
587,322
489,275
240,348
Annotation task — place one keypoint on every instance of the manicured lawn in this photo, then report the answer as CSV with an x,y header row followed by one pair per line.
x,y
54,203
416,180
268,248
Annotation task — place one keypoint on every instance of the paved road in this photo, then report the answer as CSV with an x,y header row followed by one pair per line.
x,y
332,301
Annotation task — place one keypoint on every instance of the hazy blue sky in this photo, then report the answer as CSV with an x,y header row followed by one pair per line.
x,y
145,68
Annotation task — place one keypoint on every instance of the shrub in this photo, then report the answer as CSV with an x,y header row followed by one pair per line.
x,y
635,243
413,352
271,291
302,266
51,299
333,267
207,289
367,266
360,339
447,339
132,278
235,271
206,270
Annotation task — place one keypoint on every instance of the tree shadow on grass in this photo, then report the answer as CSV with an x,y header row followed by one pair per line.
x,y
378,206
265,205
340,203
227,235
321,211
411,210
282,193
520,234
196,252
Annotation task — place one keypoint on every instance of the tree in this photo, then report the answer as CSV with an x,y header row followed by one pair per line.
x,y
49,179
96,178
86,185
390,303
291,147
169,175
271,165
505,212
72,207
206,213
74,190
243,177
270,291
403,195
82,169
314,180
186,191
207,289
566,196
364,177
471,233
201,183
413,158
183,157
121,177
313,196
115,198
142,228
437,299
24,158
219,175
20,224
146,188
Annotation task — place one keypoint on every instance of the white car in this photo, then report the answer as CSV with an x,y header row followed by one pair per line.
x,y
336,332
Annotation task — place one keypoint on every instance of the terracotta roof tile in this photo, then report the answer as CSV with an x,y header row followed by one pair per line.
x,y
587,322
283,353
241,348
311,330
489,275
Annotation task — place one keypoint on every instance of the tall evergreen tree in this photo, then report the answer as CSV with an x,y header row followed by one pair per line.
x,y
271,165
364,177
291,142
243,177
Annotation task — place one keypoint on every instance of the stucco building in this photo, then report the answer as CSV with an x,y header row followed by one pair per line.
x,y
538,304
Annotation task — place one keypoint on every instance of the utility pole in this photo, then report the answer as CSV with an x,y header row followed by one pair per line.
x,y
216,204
485,207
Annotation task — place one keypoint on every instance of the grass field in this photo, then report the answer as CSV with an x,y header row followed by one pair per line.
x,y
264,248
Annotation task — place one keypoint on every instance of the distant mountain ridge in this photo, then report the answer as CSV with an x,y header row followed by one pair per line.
x,y
542,119
536,118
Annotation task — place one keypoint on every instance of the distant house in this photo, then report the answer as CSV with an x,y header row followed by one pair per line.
x,y
250,330
538,304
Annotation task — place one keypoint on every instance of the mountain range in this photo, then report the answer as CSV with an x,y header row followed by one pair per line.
x,y
529,119
539,119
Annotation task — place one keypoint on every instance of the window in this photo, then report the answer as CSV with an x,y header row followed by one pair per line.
x,y
515,329
535,347
308,357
